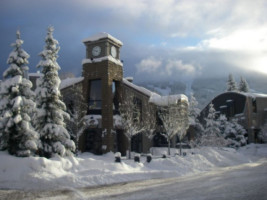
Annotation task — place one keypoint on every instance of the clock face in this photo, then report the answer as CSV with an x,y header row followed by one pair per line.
x,y
113,51
96,51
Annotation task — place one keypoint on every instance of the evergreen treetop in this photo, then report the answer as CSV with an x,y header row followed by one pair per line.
x,y
17,60
231,84
243,85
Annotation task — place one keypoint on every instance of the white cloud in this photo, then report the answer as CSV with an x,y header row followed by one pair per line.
x,y
167,69
180,18
149,65
249,44
241,40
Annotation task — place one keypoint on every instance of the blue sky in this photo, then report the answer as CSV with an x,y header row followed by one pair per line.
x,y
165,39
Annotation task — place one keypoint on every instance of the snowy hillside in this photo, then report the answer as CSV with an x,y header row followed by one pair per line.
x,y
91,170
204,89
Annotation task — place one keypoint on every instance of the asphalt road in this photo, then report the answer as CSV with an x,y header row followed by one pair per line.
x,y
246,182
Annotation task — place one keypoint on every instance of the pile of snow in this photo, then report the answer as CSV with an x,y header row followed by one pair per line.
x,y
90,170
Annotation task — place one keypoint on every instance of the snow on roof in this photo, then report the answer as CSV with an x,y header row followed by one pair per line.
x,y
250,94
140,89
129,78
102,35
69,82
167,100
110,58
254,95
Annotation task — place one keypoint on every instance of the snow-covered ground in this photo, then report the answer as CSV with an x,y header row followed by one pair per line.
x,y
91,170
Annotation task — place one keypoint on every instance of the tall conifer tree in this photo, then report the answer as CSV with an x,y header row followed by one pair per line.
x,y
49,120
18,135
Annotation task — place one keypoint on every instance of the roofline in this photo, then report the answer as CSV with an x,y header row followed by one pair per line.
x,y
137,88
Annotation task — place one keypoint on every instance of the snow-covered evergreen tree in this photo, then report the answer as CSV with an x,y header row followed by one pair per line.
x,y
49,119
231,84
212,133
235,134
223,122
243,85
18,135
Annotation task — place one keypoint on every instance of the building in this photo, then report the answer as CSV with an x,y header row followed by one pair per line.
x,y
98,94
249,108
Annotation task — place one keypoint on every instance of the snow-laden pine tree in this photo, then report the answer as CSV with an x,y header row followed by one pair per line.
x,y
212,134
235,134
18,135
243,85
223,124
231,84
49,119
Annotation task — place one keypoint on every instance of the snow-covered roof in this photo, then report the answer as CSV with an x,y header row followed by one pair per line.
x,y
102,35
254,95
140,89
69,82
110,58
129,78
167,100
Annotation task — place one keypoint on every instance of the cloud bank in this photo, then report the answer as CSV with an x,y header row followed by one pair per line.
x,y
165,39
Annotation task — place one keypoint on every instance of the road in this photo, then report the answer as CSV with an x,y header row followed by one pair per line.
x,y
247,181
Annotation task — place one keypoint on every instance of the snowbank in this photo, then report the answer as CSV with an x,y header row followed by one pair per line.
x,y
90,170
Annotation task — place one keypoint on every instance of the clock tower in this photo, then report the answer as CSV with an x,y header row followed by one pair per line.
x,y
103,73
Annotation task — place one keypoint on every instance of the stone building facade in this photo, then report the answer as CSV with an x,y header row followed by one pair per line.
x,y
102,88
249,108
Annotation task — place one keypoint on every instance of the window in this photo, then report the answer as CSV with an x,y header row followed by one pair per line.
x,y
95,95
254,105
115,96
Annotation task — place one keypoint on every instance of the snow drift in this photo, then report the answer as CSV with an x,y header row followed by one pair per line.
x,y
90,170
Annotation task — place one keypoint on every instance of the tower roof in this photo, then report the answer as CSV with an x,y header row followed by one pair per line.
x,y
101,35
